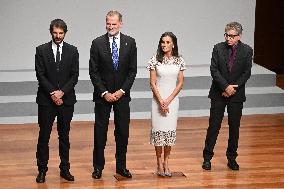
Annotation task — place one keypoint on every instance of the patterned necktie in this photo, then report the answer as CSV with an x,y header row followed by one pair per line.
x,y
232,58
114,54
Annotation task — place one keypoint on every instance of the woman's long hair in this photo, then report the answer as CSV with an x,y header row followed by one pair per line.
x,y
160,52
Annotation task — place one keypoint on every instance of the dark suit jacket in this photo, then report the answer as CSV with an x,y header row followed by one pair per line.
x,y
102,73
239,75
48,78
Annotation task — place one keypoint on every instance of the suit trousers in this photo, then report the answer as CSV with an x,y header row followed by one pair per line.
x,y
46,117
121,111
234,110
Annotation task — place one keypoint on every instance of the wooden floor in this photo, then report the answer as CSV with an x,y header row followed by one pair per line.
x,y
261,157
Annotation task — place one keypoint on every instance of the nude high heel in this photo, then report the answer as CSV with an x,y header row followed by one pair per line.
x,y
167,173
159,173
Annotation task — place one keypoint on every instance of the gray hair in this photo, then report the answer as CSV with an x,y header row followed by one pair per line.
x,y
234,26
113,13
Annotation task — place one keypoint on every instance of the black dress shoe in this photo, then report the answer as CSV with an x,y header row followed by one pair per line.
x,y
67,175
40,177
97,174
124,172
206,165
232,164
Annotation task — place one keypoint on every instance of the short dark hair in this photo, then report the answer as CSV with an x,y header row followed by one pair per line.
x,y
160,52
58,23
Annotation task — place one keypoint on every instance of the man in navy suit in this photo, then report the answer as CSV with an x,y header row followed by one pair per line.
x,y
57,71
112,69
230,69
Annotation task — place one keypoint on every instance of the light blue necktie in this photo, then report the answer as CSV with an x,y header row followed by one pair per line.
x,y
114,54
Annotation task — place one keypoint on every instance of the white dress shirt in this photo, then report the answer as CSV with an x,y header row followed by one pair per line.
x,y
54,49
117,40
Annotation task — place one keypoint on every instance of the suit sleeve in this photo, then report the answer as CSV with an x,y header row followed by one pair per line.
x,y
215,72
41,72
132,69
241,81
94,73
70,85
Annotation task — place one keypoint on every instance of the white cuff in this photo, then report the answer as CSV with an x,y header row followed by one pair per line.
x,y
122,91
103,94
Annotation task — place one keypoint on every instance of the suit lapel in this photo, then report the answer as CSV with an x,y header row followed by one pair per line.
x,y
122,48
225,54
50,54
107,50
107,45
239,52
63,55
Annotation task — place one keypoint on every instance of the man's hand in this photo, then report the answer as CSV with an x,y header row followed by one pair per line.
x,y
230,90
118,94
109,97
57,94
57,101
224,94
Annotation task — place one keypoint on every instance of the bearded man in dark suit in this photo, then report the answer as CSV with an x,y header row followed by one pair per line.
x,y
57,71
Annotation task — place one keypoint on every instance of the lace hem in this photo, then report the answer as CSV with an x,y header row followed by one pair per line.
x,y
163,138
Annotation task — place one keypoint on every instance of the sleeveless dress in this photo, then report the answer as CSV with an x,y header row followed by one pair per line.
x,y
163,132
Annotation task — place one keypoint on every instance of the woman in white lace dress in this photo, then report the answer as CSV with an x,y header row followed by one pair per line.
x,y
166,80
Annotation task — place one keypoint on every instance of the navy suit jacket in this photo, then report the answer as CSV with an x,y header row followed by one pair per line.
x,y
102,73
221,77
50,80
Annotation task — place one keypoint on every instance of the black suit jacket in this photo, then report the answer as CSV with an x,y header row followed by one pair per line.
x,y
102,73
48,78
239,75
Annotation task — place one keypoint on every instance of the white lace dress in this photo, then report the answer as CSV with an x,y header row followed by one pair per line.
x,y
163,132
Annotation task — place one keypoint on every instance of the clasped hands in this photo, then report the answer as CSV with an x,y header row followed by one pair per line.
x,y
112,97
230,90
56,96
164,107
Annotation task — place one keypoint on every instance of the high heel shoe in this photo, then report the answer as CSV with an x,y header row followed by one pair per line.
x,y
160,173
167,173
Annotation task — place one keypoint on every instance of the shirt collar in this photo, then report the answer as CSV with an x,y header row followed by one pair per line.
x,y
54,45
117,37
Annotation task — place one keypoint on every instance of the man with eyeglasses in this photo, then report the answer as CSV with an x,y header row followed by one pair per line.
x,y
230,69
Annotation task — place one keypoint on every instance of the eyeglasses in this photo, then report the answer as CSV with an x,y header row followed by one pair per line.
x,y
230,36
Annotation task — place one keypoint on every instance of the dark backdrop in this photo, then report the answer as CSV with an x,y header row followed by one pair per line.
x,y
269,35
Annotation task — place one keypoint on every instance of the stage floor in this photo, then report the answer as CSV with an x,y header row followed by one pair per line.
x,y
261,157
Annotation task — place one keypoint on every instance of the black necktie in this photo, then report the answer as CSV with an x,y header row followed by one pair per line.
x,y
57,60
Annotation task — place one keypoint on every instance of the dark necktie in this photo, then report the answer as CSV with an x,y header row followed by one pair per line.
x,y
232,57
114,54
57,60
